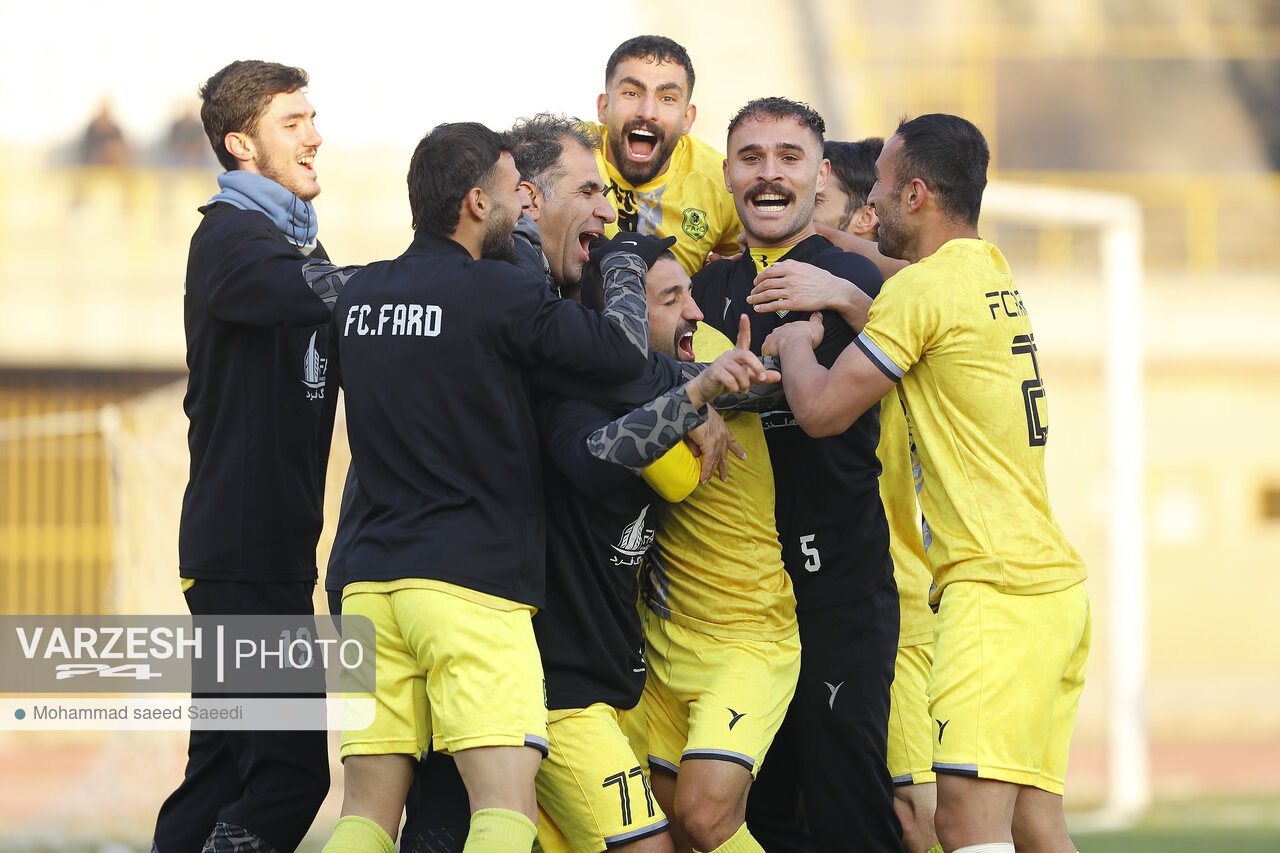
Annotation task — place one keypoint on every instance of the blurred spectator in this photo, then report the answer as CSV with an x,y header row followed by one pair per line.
x,y
187,145
103,143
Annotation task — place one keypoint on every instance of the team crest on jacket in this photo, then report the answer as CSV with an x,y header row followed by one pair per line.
x,y
634,542
313,370
695,222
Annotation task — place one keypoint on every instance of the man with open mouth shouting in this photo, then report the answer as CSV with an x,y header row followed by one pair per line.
x,y
661,180
835,541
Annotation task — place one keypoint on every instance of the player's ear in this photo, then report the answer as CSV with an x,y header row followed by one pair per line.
x,y
690,113
536,201
602,106
726,176
916,192
476,204
824,173
240,146
864,221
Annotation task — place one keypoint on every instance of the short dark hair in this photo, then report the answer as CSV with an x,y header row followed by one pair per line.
x,y
237,97
655,49
950,155
853,164
538,142
780,108
447,164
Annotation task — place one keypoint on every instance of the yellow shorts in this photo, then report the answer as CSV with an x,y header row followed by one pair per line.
x,y
714,697
593,786
456,669
910,729
1007,675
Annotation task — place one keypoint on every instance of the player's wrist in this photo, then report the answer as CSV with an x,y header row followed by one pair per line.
x,y
793,346
697,392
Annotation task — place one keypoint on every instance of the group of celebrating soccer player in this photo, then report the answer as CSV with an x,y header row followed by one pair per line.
x,y
663,462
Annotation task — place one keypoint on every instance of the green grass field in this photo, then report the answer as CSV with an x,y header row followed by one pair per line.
x,y
1242,825
1248,824
1188,840
1142,840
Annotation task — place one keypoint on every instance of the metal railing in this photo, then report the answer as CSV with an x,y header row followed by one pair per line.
x,y
55,513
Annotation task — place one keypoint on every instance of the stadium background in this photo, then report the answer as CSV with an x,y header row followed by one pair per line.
x,y
1175,104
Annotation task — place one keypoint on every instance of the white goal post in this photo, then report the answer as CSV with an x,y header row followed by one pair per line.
x,y
1118,219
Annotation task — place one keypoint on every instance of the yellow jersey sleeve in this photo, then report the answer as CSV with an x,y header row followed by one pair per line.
x,y
674,474
953,329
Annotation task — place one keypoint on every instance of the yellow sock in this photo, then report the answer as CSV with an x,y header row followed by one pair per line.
x,y
741,841
355,834
500,831
937,848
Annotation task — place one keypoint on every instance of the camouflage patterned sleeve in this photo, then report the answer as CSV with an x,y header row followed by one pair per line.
x,y
690,369
528,251
639,437
624,297
326,280
758,398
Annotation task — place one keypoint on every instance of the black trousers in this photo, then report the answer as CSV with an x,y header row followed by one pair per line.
x,y
270,783
824,785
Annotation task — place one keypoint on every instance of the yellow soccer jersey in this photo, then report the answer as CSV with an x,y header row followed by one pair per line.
x,y
953,329
716,565
906,544
688,200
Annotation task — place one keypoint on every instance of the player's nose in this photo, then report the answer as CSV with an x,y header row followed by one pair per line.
x,y
604,211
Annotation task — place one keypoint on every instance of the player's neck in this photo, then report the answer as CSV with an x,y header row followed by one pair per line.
x,y
469,237
756,242
932,238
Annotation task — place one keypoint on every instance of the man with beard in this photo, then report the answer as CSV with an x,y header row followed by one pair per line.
x,y
448,563
661,180
842,205
558,161
1013,626
588,633
261,402
556,157
835,541
593,786
566,210
719,622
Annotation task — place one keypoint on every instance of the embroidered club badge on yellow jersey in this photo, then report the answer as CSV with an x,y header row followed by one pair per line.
x,y
695,223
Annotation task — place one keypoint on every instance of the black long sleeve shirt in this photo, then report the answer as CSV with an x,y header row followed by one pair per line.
x,y
435,348
835,540
260,399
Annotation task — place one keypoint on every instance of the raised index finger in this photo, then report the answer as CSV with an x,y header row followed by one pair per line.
x,y
744,332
